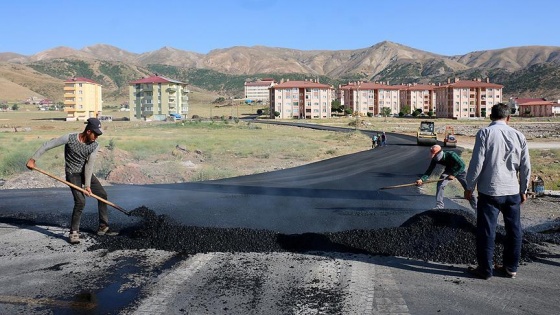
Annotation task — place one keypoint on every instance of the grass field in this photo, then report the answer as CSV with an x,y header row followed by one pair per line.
x,y
227,148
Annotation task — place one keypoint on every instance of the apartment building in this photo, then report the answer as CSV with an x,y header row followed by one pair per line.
x,y
157,97
301,100
82,99
467,98
370,97
259,90
418,97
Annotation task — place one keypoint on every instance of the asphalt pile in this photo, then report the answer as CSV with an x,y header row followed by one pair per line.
x,y
446,236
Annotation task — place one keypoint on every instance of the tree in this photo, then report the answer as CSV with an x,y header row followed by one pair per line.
x,y
219,100
431,113
336,107
405,109
385,111
15,107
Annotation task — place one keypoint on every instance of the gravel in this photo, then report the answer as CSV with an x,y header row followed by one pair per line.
x,y
446,236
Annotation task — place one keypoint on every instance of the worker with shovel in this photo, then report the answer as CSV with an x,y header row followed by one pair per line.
x,y
80,151
454,168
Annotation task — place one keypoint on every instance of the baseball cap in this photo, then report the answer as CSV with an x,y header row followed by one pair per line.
x,y
94,125
434,150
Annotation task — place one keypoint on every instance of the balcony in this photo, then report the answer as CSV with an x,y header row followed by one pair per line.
x,y
69,88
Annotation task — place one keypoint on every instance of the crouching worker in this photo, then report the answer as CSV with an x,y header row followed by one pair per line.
x,y
80,150
454,168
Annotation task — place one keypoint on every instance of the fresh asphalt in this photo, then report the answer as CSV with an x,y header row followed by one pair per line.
x,y
337,194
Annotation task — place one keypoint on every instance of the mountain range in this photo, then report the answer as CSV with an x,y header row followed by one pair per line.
x,y
527,71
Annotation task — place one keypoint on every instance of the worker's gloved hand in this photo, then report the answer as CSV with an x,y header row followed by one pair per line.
x,y
450,177
468,194
419,182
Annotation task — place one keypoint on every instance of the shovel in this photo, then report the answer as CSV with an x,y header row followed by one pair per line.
x,y
83,190
411,184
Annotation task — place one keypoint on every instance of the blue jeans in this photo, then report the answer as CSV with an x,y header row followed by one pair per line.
x,y
488,209
462,179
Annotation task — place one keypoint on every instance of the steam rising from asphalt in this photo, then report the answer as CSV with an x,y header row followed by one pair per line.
x,y
446,236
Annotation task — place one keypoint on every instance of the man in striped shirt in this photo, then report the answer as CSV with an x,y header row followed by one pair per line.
x,y
80,151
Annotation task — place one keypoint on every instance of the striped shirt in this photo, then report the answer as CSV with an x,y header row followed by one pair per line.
x,y
79,157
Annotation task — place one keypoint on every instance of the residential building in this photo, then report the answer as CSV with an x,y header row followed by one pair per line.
x,y
301,99
535,107
466,98
556,108
82,99
258,91
418,97
157,97
370,97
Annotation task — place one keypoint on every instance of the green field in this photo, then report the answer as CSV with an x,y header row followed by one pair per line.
x,y
229,147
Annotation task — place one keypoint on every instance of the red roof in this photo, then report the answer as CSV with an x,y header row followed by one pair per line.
x,y
80,79
471,84
155,79
535,103
369,86
421,87
301,84
527,100
259,83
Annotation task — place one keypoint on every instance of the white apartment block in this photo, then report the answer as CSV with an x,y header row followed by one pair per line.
x,y
301,100
369,97
157,97
258,90
467,98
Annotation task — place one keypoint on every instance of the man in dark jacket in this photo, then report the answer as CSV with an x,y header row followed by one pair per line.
x,y
454,168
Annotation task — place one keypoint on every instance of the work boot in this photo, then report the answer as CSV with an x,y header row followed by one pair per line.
x,y
74,237
105,230
502,271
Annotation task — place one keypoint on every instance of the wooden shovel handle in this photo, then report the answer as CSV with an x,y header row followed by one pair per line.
x,y
412,184
82,190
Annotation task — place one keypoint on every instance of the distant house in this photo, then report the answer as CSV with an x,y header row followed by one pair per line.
x,y
82,99
301,99
46,102
533,107
258,90
370,97
157,97
467,98
419,97
556,108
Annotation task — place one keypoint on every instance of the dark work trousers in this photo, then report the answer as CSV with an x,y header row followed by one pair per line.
x,y
80,200
488,209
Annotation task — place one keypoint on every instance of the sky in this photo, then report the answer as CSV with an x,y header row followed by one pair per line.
x,y
450,27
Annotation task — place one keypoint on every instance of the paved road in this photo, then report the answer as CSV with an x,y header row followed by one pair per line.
x,y
41,274
337,194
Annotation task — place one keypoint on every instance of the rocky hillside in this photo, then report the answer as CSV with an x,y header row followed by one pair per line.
x,y
530,71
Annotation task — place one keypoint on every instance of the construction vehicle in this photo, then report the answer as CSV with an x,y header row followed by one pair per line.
x,y
426,134
449,138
